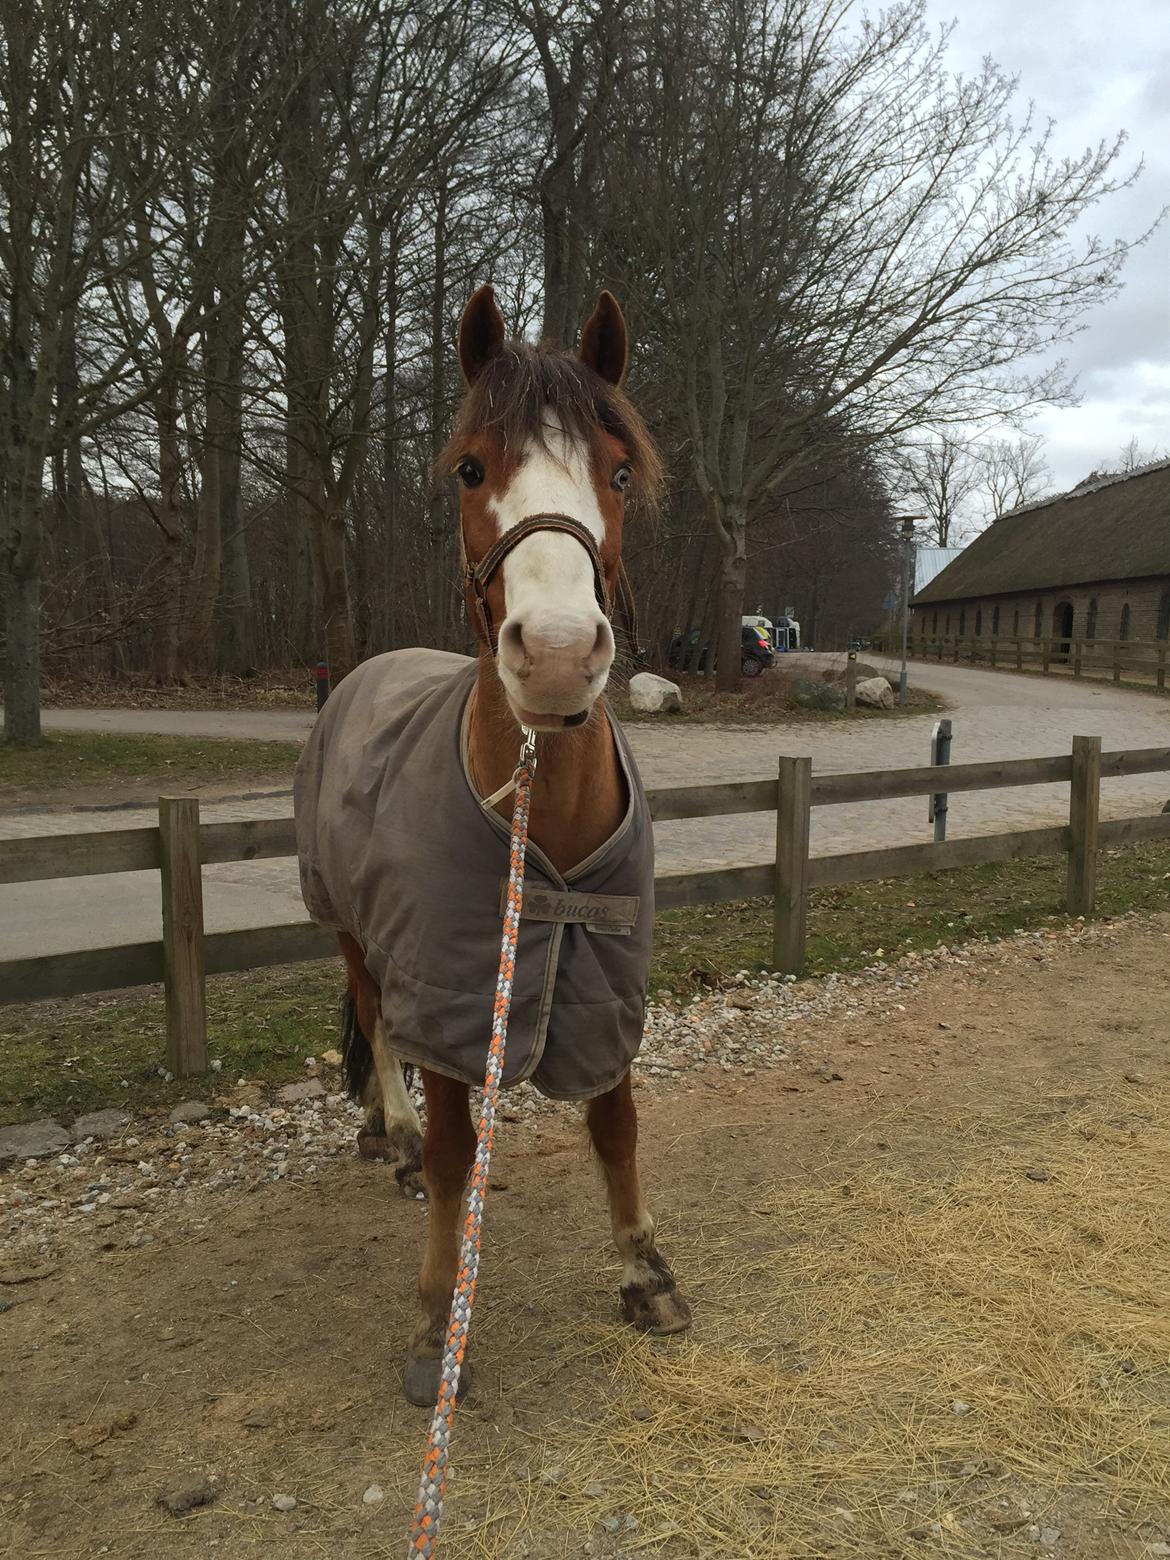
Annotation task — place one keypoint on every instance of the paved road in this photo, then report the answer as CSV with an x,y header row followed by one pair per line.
x,y
995,715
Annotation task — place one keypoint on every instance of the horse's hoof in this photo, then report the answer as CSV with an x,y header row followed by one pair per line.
x,y
408,1170
375,1145
659,1312
420,1380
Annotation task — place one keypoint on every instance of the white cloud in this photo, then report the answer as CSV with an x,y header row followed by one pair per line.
x,y
1096,70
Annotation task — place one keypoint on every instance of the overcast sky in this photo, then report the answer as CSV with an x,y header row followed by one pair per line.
x,y
1096,67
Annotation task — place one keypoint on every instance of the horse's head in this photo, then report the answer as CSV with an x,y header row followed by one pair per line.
x,y
544,437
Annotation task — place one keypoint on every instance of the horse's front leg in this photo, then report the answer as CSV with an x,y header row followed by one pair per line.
x,y
447,1152
650,1298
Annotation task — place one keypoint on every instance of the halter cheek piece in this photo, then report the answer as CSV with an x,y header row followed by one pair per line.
x,y
478,576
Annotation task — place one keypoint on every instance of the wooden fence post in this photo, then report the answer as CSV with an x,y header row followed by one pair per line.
x,y
182,918
1047,653
1083,814
1019,655
1078,651
851,681
1160,675
790,914
1116,660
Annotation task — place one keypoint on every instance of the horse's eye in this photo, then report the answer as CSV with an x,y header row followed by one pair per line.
x,y
469,472
622,478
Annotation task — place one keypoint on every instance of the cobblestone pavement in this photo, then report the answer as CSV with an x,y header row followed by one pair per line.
x,y
995,715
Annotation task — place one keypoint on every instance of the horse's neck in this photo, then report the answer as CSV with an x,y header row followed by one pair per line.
x,y
579,793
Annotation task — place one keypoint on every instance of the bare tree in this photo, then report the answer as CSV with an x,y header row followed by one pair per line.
x,y
835,231
940,477
1013,472
1132,455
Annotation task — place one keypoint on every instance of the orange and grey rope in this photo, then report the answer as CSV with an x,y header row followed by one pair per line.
x,y
428,1509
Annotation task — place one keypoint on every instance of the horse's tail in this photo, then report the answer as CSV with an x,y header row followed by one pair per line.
x,y
357,1059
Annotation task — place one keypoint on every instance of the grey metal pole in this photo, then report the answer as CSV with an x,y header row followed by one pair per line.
x,y
940,753
908,554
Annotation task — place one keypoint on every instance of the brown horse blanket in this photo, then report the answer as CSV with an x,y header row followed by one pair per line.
x,y
396,849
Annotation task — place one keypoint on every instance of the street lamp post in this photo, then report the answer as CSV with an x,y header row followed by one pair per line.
x,y
907,581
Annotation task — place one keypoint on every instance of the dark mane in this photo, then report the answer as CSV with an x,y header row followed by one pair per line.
x,y
514,393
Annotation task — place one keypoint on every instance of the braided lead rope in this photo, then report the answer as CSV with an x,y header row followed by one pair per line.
x,y
424,1536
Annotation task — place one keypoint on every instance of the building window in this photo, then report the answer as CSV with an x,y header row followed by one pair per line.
x,y
962,621
978,622
1016,623
1091,620
1124,634
1163,629
1038,626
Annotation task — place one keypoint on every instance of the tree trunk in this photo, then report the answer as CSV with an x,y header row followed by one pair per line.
x,y
168,578
22,660
327,545
440,583
732,583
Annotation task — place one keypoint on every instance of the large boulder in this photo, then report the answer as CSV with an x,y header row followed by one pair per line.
x,y
655,695
809,694
876,692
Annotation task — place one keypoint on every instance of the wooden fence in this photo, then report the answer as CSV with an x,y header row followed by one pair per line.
x,y
1138,659
179,847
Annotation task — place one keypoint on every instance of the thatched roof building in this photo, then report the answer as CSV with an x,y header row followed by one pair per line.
x,y
1094,562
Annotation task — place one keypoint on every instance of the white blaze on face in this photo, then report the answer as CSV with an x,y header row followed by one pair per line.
x,y
555,646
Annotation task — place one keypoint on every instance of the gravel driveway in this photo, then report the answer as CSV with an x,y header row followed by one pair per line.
x,y
995,715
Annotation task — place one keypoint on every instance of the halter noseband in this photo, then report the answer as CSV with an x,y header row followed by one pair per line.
x,y
478,576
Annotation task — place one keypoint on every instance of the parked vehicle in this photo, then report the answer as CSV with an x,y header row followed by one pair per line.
x,y
756,652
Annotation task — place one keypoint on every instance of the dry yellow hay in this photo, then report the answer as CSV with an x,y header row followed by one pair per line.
x,y
814,1413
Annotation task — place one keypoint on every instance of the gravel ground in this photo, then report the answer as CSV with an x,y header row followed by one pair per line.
x,y
111,1192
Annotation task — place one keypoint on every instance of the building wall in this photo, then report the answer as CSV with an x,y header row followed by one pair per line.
x,y
1148,602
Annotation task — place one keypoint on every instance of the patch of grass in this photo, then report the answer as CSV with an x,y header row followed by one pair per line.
x,y
852,925
70,760
63,1058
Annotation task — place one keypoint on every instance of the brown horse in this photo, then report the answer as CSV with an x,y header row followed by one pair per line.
x,y
545,449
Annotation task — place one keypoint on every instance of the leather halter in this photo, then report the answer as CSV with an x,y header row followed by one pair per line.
x,y
478,576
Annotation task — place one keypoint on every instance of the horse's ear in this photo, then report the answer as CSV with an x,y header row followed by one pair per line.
x,y
481,333
604,343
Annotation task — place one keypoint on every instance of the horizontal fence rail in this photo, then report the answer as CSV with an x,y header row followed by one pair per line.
x,y
180,846
1144,658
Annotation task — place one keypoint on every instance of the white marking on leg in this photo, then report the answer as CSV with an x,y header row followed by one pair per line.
x,y
634,1242
402,1123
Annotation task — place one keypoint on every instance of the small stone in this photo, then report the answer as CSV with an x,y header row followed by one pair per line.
x,y
33,1140
611,1524
552,1475
1049,1537
189,1111
960,1408
1037,1173
593,1490
374,1494
100,1124
1160,1549
307,1089
185,1496
1136,1077
285,1502
333,1059
642,1414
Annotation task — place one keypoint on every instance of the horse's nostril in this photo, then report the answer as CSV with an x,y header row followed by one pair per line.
x,y
601,651
512,646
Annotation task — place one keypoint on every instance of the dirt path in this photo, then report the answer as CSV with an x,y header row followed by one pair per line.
x,y
254,1341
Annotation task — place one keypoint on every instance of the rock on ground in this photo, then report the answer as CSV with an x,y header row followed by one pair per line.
x,y
307,1089
876,692
190,1111
655,695
185,1496
809,694
33,1140
100,1124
